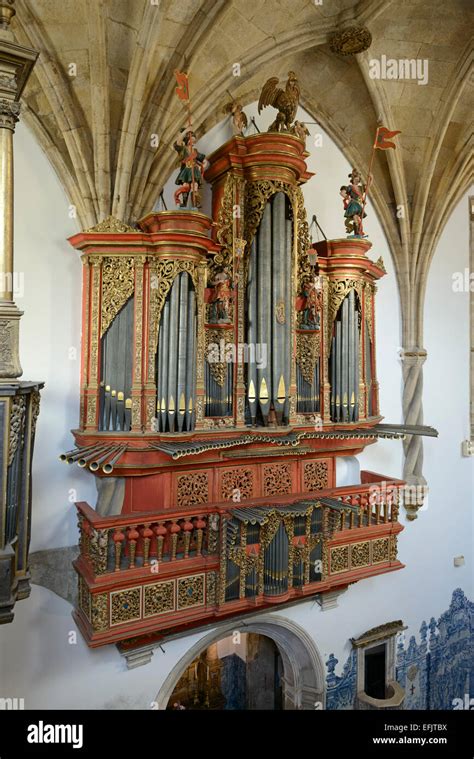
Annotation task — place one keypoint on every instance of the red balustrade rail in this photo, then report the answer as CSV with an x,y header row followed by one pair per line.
x,y
122,543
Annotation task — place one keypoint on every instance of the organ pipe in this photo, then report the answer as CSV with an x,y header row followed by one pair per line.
x,y
344,362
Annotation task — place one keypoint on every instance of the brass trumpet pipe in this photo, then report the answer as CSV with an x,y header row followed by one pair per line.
x,y
107,468
96,462
84,459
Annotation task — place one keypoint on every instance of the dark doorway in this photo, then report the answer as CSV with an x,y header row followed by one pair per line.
x,y
375,671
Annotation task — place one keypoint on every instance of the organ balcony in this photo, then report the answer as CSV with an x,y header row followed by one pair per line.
x,y
227,362
157,573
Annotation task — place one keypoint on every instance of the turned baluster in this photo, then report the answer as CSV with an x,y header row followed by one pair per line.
x,y
132,537
118,538
187,528
161,533
377,509
364,502
174,530
199,524
147,535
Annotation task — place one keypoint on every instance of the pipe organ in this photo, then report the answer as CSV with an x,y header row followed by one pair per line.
x,y
226,364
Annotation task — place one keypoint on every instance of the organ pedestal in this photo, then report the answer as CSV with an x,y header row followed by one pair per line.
x,y
225,367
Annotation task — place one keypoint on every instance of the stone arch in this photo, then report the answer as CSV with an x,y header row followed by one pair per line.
x,y
304,682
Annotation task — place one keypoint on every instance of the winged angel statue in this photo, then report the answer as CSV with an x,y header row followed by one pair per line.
x,y
285,101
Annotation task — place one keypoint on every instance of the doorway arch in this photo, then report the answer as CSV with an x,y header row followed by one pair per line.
x,y
303,669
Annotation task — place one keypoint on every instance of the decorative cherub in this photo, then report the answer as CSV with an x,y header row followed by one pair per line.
x,y
301,130
285,101
193,165
239,117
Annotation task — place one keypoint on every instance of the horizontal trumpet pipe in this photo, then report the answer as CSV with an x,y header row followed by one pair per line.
x,y
108,467
69,456
96,462
84,459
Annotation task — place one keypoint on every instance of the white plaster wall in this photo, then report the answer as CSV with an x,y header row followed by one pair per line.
x,y
443,529
49,333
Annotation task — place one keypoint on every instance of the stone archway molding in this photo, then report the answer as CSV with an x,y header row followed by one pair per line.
x,y
304,674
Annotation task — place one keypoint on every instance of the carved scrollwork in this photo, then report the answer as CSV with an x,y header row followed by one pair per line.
x,y
190,591
192,488
338,289
308,347
118,284
276,479
112,225
98,545
125,606
240,480
35,409
218,368
369,294
17,417
225,227
315,475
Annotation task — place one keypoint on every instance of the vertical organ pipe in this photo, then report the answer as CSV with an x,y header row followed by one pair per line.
x,y
182,351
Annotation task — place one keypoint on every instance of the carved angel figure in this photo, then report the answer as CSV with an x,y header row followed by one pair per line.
x,y
239,117
285,101
301,130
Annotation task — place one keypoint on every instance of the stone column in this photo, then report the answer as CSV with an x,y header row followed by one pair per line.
x,y
16,64
19,401
412,369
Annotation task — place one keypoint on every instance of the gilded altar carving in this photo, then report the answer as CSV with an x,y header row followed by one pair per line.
x,y
158,598
213,521
368,307
84,597
94,320
380,550
118,284
139,269
360,554
112,225
393,548
98,548
125,606
308,347
91,410
276,479
315,475
218,368
162,275
225,228
190,591
237,484
35,409
99,612
339,559
17,418
192,488
211,588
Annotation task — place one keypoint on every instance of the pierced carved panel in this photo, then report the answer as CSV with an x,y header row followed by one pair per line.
x,y
125,606
308,347
190,591
158,598
211,588
192,488
339,559
315,475
118,284
99,612
360,554
276,479
380,550
237,485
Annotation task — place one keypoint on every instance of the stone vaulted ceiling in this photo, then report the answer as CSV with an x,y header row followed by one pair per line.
x,y
104,84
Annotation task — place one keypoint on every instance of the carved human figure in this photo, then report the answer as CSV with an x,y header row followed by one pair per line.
x,y
193,165
353,201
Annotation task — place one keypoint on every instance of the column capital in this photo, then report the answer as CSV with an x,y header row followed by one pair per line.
x,y
9,112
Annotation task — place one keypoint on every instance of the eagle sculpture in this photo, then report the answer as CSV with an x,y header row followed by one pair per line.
x,y
285,101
